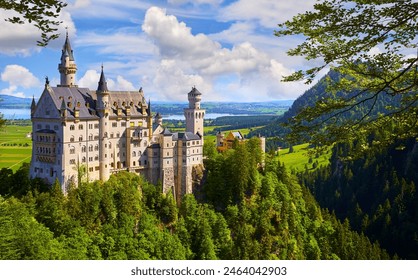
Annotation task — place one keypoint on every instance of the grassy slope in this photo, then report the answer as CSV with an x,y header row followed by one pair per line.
x,y
299,159
13,151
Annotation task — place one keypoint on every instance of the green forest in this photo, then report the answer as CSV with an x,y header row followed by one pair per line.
x,y
243,211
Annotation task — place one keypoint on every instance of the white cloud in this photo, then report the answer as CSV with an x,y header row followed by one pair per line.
x,y
268,13
20,39
195,2
18,77
91,78
173,84
241,72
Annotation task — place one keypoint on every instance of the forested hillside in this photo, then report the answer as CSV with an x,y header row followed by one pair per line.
x,y
277,131
376,192
241,212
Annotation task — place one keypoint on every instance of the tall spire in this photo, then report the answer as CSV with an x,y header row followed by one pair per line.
x,y
67,67
102,83
66,49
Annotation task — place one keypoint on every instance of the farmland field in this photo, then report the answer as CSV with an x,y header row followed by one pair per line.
x,y
15,146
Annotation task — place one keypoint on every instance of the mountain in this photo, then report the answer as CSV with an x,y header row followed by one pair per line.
x,y
10,102
310,97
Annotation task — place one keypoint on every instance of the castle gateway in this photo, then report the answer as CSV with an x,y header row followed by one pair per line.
x,y
109,131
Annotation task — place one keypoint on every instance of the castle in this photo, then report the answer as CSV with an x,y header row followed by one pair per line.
x,y
110,131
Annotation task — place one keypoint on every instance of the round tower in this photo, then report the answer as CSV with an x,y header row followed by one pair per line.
x,y
103,110
194,115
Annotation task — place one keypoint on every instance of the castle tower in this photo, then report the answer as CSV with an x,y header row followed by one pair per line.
x,y
67,67
103,110
194,115
32,107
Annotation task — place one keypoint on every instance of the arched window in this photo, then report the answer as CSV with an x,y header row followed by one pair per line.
x,y
83,149
72,127
80,138
134,154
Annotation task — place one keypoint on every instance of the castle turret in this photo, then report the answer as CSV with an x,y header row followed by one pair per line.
x,y
67,67
194,115
159,119
103,110
32,107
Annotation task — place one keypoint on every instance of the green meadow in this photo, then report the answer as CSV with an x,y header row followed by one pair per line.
x,y
15,146
301,159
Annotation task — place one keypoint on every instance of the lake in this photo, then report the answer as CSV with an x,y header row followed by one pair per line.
x,y
15,114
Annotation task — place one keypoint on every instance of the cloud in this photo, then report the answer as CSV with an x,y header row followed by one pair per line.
x,y
196,2
266,12
18,77
91,78
241,72
20,39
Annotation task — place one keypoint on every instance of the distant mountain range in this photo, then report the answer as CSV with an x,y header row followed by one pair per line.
x,y
12,102
176,108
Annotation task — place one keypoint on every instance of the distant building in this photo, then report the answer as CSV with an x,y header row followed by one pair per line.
x,y
109,131
225,143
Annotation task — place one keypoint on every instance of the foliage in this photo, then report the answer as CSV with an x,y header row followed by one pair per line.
x,y
250,208
377,192
371,44
42,14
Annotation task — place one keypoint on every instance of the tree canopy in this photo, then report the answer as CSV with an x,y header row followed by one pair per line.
x,y
42,14
372,44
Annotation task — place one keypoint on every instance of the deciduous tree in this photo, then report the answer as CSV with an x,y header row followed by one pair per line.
x,y
372,44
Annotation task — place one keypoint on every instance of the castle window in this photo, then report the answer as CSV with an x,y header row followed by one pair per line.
x,y
123,124
72,139
168,153
90,169
80,127
96,137
110,145
96,148
72,150
96,157
91,137
72,127
118,135
145,134
91,148
80,138
132,124
133,163
111,135
83,159
90,158
114,124
72,161
96,125
134,154
90,126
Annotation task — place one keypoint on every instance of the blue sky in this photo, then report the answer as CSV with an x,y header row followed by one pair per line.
x,y
225,48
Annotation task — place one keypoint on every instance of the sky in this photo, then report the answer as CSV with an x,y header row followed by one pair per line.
x,y
226,49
